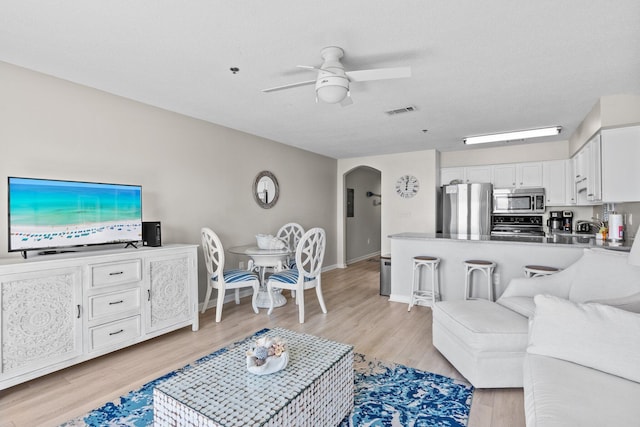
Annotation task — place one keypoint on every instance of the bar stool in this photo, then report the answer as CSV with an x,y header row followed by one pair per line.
x,y
539,270
418,294
486,267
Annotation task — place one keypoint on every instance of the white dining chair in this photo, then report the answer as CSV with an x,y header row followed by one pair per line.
x,y
223,280
290,233
306,274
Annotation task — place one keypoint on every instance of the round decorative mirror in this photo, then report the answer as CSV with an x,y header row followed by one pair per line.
x,y
266,190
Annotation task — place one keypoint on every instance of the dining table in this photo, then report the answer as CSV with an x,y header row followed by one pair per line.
x,y
262,259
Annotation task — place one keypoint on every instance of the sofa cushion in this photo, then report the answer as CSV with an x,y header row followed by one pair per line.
x,y
593,335
559,393
524,306
484,326
604,274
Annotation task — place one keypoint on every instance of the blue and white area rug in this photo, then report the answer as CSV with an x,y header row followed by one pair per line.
x,y
386,394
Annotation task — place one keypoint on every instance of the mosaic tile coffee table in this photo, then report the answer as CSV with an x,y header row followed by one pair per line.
x,y
315,389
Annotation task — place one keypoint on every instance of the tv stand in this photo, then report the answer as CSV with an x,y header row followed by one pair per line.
x,y
70,308
130,244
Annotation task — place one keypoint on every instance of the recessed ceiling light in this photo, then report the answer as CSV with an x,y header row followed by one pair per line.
x,y
512,136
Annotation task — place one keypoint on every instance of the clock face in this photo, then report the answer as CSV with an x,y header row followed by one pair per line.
x,y
407,186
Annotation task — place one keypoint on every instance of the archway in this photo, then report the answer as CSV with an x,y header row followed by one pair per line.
x,y
362,211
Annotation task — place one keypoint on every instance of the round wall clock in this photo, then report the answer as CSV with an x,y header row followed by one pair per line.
x,y
407,186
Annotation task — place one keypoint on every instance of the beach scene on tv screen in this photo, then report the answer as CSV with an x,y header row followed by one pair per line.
x,y
49,214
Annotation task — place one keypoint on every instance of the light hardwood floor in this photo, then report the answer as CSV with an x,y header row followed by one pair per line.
x,y
356,315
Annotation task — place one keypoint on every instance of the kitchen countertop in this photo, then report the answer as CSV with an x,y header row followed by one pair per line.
x,y
574,240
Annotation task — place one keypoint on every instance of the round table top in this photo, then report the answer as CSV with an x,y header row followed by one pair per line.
x,y
250,250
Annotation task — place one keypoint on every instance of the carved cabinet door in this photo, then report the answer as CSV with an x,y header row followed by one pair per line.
x,y
168,292
41,322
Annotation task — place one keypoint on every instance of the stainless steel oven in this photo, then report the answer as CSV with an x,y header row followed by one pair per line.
x,y
518,200
517,225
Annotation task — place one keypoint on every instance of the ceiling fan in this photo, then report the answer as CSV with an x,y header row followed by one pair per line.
x,y
332,81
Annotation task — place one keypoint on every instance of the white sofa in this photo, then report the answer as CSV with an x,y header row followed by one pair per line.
x,y
581,367
486,341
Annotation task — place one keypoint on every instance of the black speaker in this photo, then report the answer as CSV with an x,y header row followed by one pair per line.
x,y
151,233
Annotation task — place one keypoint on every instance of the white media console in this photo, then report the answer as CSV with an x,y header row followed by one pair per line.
x,y
59,310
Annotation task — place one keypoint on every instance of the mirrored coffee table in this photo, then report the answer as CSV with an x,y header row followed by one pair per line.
x,y
315,389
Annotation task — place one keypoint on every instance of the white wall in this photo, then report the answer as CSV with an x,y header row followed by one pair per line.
x,y
193,173
608,112
363,229
398,214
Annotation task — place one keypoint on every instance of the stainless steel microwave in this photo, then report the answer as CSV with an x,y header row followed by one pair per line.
x,y
518,200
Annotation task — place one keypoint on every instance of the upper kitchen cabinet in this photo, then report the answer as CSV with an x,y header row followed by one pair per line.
x,y
518,175
466,174
554,175
451,174
478,174
620,152
594,177
588,173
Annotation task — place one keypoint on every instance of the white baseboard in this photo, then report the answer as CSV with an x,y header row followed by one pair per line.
x,y
363,257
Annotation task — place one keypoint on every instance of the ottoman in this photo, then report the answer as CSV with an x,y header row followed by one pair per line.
x,y
485,341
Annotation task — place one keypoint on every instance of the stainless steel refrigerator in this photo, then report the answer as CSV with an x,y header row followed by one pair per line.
x,y
466,209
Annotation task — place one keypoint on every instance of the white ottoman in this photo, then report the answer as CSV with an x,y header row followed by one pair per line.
x,y
483,340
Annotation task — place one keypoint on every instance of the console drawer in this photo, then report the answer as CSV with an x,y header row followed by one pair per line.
x,y
114,333
114,303
116,273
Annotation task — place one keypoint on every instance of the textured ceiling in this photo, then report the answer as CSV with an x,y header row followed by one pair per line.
x,y
478,67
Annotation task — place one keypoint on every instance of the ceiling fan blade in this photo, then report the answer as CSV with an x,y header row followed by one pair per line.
x,y
379,74
289,86
310,68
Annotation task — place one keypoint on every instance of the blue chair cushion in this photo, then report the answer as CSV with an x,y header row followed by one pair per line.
x,y
234,276
288,276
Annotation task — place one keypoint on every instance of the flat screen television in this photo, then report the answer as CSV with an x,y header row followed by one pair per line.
x,y
48,215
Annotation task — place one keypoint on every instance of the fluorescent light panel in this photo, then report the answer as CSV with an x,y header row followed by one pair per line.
x,y
511,136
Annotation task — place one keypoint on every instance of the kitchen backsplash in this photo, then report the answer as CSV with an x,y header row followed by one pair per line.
x,y
586,213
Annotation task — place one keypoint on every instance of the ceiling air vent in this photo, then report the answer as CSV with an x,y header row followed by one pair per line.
x,y
408,109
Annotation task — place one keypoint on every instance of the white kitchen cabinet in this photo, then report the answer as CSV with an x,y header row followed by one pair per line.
x,y
504,176
59,310
621,164
518,175
467,175
588,170
580,163
451,174
570,185
554,176
594,170
477,174
41,320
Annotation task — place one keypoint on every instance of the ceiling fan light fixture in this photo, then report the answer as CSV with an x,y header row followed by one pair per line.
x,y
332,89
512,136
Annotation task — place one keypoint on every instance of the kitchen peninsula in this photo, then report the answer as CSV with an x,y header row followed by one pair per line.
x,y
510,254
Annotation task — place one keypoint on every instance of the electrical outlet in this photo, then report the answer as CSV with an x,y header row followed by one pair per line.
x,y
368,240
241,265
496,279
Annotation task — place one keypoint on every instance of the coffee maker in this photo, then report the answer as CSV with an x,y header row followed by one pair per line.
x,y
555,222
567,221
